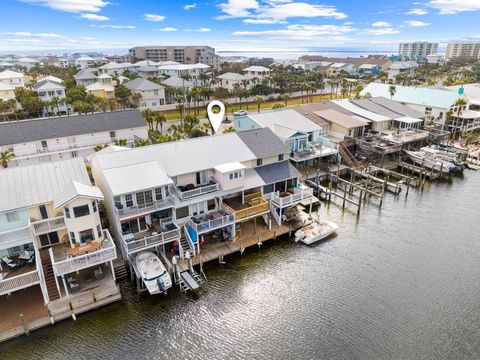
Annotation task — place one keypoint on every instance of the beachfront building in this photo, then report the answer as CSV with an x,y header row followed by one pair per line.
x,y
52,92
53,246
463,49
86,77
230,81
13,78
52,139
180,54
259,72
151,94
417,50
182,196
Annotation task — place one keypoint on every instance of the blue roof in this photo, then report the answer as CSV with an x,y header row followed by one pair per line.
x,y
438,98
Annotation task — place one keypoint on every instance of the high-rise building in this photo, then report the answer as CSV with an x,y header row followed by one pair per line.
x,y
463,49
417,49
181,54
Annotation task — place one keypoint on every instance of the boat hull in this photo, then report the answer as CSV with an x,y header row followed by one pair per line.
x,y
308,234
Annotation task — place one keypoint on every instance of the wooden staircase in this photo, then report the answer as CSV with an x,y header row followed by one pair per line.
x,y
49,275
120,269
347,156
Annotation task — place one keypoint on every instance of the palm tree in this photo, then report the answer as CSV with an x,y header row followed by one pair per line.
x,y
99,147
143,142
149,117
121,142
259,100
230,129
459,104
392,90
5,157
54,103
285,98
160,119
207,127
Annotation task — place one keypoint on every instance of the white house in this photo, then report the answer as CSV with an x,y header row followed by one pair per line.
x,y
13,78
406,68
152,94
85,62
28,62
52,90
115,69
259,72
52,139
231,80
85,77
192,71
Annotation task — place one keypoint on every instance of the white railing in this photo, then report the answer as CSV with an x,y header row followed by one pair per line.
x,y
149,241
209,225
48,225
15,237
106,253
149,207
191,245
188,194
292,199
314,151
19,282
70,146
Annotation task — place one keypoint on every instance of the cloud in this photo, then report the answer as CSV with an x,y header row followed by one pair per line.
x,y
94,17
301,32
167,29
290,10
115,26
448,7
417,12
28,34
414,23
74,6
380,31
190,6
154,17
263,21
381,24
202,30
238,8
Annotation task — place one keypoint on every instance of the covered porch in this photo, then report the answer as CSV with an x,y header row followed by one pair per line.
x,y
247,206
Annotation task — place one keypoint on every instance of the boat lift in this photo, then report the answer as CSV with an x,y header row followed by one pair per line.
x,y
187,280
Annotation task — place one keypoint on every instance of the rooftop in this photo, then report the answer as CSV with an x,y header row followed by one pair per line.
x,y
142,85
257,69
9,74
177,82
366,114
74,190
263,142
341,119
232,76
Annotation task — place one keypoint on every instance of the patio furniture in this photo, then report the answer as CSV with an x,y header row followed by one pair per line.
x,y
88,279
31,260
10,263
189,187
2,276
74,286
27,255
98,273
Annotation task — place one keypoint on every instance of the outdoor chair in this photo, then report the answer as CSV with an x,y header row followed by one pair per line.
x,y
88,279
27,255
98,273
10,263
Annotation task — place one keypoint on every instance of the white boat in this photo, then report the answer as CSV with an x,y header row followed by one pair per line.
x,y
154,275
429,161
315,231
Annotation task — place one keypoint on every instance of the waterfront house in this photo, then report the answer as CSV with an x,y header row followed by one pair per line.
x,y
13,78
52,242
152,95
50,139
342,126
259,72
52,92
376,122
85,77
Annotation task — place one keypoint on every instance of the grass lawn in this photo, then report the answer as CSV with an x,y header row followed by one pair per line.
x,y
175,115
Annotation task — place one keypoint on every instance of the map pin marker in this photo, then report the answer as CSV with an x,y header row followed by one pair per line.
x,y
215,119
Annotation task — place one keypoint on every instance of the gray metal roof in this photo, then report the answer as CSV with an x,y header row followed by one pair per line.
x,y
263,142
276,172
376,108
398,107
26,186
85,74
142,85
16,132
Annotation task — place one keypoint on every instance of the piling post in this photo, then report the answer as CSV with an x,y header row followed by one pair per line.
x,y
381,197
408,186
344,196
359,203
24,321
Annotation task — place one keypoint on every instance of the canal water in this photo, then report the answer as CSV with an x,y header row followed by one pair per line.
x,y
402,282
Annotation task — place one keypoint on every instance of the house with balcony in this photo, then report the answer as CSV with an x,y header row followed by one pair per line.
x,y
52,92
259,72
86,77
85,62
231,81
52,241
116,69
151,94
13,78
191,72
51,139
182,196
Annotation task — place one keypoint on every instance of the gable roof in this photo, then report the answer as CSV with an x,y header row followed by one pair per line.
x,y
341,119
232,76
15,132
263,142
75,190
256,69
438,98
368,115
85,74
9,74
46,84
99,86
176,82
26,186
275,172
393,105
142,85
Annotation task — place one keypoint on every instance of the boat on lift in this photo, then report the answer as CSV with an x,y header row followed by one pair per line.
x,y
315,231
433,162
155,276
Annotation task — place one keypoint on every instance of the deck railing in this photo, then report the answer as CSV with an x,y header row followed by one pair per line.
x,y
148,207
151,240
106,253
291,199
314,151
188,194
209,225
19,282
258,206
15,237
48,225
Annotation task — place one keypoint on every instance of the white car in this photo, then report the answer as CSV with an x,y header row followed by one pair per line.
x,y
240,113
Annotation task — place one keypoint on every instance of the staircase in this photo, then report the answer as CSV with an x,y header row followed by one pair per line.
x,y
49,275
120,269
347,156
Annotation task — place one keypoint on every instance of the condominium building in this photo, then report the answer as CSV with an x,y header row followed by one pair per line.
x,y
181,54
463,49
418,49
50,139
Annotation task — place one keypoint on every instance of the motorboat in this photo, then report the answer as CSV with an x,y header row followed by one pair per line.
x,y
433,162
154,274
315,231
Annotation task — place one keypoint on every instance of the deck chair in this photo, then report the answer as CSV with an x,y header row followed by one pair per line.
x,y
10,263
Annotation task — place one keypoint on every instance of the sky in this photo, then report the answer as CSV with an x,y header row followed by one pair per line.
x,y
236,25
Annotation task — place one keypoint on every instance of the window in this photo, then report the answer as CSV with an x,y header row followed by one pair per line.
x,y
118,202
144,198
80,211
182,212
158,194
99,231
74,153
280,157
129,200
86,235
235,175
259,162
67,213
268,189
94,206
49,239
12,216
211,205
43,212
44,144
112,135
72,237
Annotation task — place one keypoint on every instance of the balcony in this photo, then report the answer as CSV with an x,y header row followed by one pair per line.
x,y
189,191
146,208
211,221
63,263
166,233
313,151
16,237
252,206
48,225
284,200
14,282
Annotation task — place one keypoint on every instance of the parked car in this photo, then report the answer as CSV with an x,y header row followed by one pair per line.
x,y
240,113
